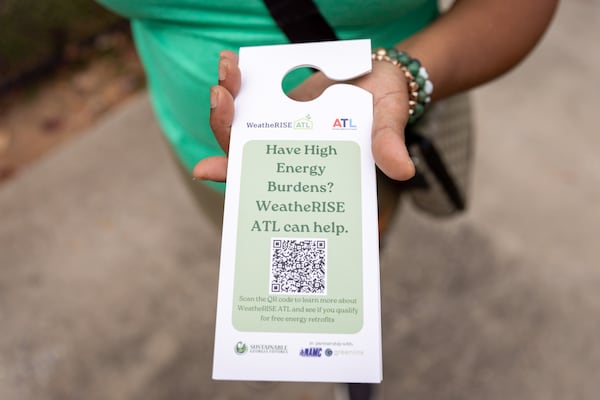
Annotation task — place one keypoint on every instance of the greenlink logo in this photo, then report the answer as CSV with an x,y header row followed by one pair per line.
x,y
304,123
240,348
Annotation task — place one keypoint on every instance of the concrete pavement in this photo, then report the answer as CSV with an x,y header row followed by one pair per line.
x,y
108,271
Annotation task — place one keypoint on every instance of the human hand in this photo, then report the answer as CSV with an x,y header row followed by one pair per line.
x,y
390,115
221,117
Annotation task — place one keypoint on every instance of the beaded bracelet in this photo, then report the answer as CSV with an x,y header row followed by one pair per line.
x,y
419,85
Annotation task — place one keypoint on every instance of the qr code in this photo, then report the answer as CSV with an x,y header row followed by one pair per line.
x,y
298,266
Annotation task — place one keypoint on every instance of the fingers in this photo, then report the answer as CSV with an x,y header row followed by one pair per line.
x,y
229,72
221,115
221,98
211,169
390,116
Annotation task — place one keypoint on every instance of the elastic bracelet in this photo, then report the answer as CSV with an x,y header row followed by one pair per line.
x,y
419,85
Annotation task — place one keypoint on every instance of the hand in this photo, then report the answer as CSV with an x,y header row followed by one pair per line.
x,y
221,117
390,115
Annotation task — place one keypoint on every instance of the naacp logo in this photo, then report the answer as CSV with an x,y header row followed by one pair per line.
x,y
311,352
304,123
240,348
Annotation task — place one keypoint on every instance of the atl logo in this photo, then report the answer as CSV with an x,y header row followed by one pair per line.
x,y
344,123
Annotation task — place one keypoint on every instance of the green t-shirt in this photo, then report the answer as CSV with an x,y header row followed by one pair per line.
x,y
179,43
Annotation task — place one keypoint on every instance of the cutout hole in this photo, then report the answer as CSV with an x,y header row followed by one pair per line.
x,y
294,78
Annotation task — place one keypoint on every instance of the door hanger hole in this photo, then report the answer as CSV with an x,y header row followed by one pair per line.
x,y
294,78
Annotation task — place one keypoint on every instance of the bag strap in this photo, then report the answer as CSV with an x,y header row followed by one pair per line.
x,y
300,20
437,166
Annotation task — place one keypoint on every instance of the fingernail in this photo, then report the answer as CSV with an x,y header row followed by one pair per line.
x,y
214,98
222,69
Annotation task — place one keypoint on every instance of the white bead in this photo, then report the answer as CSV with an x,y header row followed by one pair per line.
x,y
427,100
428,87
423,73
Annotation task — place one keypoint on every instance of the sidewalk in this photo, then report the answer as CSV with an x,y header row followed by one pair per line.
x,y
108,271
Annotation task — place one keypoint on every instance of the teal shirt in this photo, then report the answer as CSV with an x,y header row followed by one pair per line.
x,y
179,43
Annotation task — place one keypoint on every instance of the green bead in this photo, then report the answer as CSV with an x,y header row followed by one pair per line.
x,y
419,108
420,81
421,96
416,113
403,58
414,66
392,53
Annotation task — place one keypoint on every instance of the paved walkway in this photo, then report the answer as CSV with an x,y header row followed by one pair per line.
x,y
108,272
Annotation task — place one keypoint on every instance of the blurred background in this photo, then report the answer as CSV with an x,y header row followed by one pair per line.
x,y
62,65
108,271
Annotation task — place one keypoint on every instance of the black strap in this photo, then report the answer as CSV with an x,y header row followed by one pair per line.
x,y
300,20
437,167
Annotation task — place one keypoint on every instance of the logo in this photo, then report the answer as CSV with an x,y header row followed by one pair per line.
x,y
268,348
304,123
269,125
243,348
345,124
328,352
311,352
240,348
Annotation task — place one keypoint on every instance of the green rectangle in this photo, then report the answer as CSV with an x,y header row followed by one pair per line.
x,y
302,191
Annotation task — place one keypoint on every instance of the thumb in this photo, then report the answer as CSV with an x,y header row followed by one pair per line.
x,y
390,116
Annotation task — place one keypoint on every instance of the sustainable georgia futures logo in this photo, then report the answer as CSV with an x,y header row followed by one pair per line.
x,y
240,348
243,348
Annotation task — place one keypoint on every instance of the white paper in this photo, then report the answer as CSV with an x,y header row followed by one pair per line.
x,y
299,277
